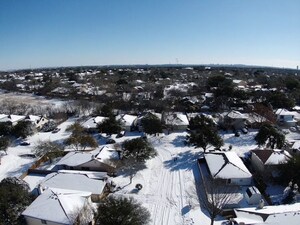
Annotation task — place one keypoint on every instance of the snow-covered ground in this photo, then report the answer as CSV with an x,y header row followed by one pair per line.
x,y
15,163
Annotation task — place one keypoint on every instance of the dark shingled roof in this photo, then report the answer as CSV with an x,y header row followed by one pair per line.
x,y
263,155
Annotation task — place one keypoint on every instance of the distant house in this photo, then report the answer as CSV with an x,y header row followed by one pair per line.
x,y
266,161
13,119
285,117
234,120
59,207
102,159
228,166
269,215
127,121
92,123
73,181
175,121
36,121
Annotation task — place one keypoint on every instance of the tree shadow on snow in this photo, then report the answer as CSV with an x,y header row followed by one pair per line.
x,y
179,141
182,161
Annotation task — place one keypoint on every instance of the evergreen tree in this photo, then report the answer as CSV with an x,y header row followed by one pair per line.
x,y
204,133
268,135
14,198
138,149
151,124
121,211
110,126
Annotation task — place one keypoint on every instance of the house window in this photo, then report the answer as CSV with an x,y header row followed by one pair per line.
x,y
44,222
228,181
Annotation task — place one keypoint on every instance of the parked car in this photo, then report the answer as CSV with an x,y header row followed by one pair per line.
x,y
55,130
24,143
110,141
237,134
244,130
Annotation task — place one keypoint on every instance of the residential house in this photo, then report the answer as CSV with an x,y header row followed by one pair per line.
x,y
233,120
127,121
269,215
74,181
13,119
138,122
175,121
92,123
60,207
285,117
228,166
36,121
103,159
266,161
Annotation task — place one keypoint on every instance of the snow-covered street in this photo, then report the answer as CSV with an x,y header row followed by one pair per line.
x,y
168,183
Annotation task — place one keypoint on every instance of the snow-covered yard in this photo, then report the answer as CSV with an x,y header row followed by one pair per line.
x,y
16,162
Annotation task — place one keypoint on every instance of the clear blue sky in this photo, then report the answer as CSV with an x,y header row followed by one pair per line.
x,y
39,33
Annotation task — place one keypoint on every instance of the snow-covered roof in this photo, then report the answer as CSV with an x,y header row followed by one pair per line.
x,y
271,215
296,145
57,205
176,119
226,165
126,119
283,112
93,122
236,115
89,174
12,118
79,182
272,157
79,158
33,118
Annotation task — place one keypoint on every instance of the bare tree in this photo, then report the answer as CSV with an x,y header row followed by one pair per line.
x,y
215,196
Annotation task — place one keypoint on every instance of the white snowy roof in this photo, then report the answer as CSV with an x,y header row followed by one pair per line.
x,y
296,145
12,118
226,165
57,205
93,122
89,174
271,215
33,118
176,119
236,115
79,182
283,112
126,119
79,158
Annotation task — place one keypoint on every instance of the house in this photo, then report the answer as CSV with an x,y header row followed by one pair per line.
x,y
73,181
36,121
228,166
13,119
175,121
285,117
103,159
233,120
92,123
266,161
60,207
127,121
269,215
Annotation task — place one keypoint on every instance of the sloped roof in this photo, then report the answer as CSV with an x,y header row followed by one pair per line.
x,y
126,119
57,205
236,115
78,182
226,165
271,215
283,112
93,122
176,119
272,157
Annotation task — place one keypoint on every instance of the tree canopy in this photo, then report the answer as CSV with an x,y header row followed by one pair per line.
x,y
203,132
51,149
138,149
121,211
80,139
151,124
110,126
14,198
271,137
